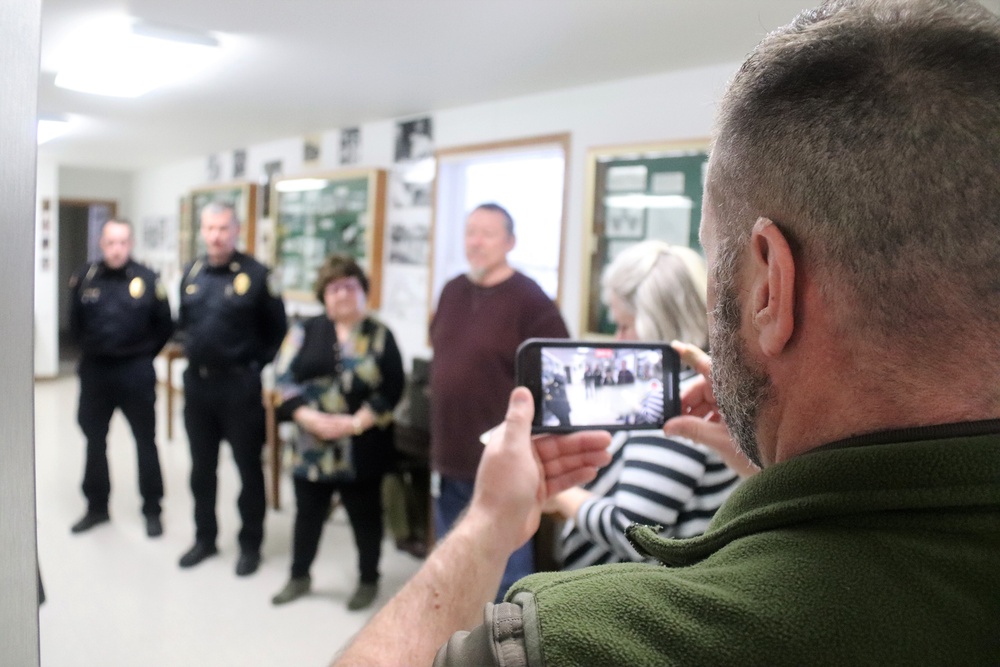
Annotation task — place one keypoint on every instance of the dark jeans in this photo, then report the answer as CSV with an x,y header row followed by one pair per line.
x,y
454,497
226,405
363,502
128,384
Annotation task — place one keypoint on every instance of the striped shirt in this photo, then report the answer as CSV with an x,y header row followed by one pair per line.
x,y
651,480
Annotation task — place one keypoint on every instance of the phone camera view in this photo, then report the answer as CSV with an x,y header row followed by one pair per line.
x,y
595,386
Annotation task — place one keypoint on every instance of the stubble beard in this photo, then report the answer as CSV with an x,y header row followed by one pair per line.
x,y
741,388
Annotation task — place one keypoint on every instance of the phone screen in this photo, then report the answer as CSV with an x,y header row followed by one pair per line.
x,y
603,385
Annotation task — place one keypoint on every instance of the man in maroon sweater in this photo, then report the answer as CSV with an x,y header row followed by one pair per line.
x,y
481,319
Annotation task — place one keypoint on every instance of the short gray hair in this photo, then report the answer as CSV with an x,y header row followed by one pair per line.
x,y
869,132
664,286
217,207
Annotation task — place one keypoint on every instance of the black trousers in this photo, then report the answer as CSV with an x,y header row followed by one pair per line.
x,y
226,405
128,384
363,502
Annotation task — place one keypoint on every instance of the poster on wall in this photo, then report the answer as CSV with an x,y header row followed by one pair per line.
x,y
350,145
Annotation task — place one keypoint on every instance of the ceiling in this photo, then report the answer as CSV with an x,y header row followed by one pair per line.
x,y
303,66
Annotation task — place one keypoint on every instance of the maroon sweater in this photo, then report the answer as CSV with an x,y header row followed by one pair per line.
x,y
475,333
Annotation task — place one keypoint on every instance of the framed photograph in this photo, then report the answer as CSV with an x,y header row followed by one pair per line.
x,y
634,193
316,215
242,195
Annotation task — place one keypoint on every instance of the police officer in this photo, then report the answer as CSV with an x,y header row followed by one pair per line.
x,y
232,322
120,318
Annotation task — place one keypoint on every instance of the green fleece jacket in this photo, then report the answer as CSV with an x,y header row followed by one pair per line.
x,y
883,550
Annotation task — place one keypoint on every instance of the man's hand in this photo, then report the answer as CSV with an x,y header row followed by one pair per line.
x,y
516,475
701,420
519,473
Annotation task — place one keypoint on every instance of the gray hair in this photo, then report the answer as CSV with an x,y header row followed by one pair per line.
x,y
869,132
217,207
664,286
508,221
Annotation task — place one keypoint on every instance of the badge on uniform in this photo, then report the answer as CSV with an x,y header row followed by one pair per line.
x,y
241,283
137,288
191,289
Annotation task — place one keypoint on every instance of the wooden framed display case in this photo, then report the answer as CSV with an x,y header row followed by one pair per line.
x,y
634,193
341,211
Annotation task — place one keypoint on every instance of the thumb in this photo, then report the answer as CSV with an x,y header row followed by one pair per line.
x,y
520,411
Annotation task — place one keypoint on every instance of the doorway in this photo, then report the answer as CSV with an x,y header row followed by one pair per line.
x,y
80,223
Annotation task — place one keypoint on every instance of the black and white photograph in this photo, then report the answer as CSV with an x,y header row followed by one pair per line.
x,y
626,178
625,223
414,140
350,145
408,244
239,163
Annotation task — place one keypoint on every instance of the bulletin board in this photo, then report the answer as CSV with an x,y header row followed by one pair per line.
x,y
242,196
317,215
634,193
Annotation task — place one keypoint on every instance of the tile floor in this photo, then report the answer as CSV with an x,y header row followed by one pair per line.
x,y
116,598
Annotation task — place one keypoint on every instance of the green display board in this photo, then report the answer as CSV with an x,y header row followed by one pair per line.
x,y
318,215
638,193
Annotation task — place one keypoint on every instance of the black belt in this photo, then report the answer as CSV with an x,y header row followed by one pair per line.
x,y
206,371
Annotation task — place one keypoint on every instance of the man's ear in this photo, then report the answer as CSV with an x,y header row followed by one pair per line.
x,y
772,287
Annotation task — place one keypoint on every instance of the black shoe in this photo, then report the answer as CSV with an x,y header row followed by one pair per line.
x,y
198,553
293,590
363,596
248,563
154,527
89,520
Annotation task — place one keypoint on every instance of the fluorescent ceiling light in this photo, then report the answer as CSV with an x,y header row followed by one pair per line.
x,y
117,60
300,184
648,201
50,127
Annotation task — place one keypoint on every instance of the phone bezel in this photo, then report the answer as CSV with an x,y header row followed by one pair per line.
x,y
528,374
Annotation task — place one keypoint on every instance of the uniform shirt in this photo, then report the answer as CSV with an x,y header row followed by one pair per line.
x,y
230,315
475,334
118,313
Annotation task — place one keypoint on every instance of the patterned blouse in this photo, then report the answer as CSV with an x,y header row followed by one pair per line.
x,y
317,371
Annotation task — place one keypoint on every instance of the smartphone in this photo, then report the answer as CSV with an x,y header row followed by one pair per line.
x,y
610,386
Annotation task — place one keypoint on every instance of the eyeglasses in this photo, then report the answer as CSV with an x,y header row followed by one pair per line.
x,y
349,285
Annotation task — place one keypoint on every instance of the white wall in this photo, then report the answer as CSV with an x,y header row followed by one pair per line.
x,y
667,106
79,183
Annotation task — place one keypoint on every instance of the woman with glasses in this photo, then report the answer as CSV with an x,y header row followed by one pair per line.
x,y
339,377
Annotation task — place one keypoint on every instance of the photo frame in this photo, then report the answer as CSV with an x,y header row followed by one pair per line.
x,y
315,215
242,195
634,193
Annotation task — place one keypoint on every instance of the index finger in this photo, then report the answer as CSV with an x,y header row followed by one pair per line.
x,y
693,356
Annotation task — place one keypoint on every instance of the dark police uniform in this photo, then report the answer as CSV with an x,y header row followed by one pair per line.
x,y
121,320
232,323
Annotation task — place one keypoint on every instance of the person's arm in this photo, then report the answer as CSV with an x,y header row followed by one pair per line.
x,y
656,477
701,420
163,323
516,475
272,320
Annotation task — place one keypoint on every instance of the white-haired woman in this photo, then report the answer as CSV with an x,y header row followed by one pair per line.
x,y
654,292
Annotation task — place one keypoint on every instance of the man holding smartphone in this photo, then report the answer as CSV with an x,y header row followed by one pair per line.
x,y
481,319
855,300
